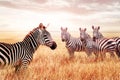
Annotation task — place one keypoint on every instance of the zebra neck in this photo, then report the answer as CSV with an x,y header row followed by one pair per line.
x,y
100,35
86,41
68,41
30,44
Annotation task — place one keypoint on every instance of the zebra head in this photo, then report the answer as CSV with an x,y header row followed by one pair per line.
x,y
64,34
83,35
46,39
96,33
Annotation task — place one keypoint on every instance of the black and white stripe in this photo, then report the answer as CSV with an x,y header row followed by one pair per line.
x,y
89,45
117,39
100,46
72,44
98,35
20,54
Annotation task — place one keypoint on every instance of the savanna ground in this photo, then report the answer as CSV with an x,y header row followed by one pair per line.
x,y
55,65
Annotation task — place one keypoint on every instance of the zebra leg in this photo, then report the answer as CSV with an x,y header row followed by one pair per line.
x,y
96,56
18,65
25,63
1,65
118,53
17,68
71,54
112,54
102,56
88,51
22,65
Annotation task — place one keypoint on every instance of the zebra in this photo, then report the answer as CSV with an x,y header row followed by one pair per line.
x,y
98,35
72,44
87,41
101,46
20,54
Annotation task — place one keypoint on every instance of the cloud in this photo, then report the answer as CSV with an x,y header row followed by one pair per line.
x,y
4,25
76,12
8,4
39,1
73,6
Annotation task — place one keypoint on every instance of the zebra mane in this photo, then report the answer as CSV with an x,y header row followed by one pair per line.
x,y
31,32
101,35
88,36
69,35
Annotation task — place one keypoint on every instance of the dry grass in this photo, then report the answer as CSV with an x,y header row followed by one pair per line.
x,y
55,65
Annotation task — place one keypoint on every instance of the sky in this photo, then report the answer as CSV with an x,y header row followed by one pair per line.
x,y
24,15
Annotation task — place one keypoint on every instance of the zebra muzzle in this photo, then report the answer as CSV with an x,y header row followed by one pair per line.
x,y
54,45
63,40
82,39
94,38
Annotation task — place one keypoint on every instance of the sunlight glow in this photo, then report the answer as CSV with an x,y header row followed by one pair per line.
x,y
24,20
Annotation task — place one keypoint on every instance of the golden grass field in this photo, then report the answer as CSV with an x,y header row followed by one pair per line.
x,y
55,65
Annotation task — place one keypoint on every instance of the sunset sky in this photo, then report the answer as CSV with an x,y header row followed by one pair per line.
x,y
24,15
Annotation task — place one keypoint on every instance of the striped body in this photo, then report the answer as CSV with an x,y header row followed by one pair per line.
x,y
106,45
98,35
20,54
100,46
89,45
72,44
7,54
117,40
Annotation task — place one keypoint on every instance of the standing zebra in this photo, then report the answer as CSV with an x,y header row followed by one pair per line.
x,y
20,54
98,35
101,46
72,44
87,41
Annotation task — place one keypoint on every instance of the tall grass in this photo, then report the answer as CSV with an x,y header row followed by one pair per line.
x,y
55,65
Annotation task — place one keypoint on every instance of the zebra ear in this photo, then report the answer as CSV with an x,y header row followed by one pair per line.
x,y
92,27
41,25
79,29
61,28
66,28
85,29
98,27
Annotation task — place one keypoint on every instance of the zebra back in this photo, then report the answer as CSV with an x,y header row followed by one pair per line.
x,y
106,45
